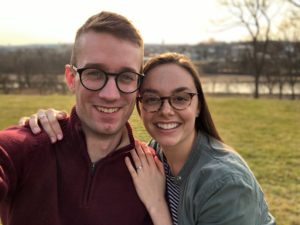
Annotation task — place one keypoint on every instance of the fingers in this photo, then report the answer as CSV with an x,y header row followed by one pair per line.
x,y
53,117
48,120
142,160
146,153
60,114
130,168
33,124
23,121
138,162
159,165
143,157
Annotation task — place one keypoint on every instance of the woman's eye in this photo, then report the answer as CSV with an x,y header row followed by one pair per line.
x,y
151,100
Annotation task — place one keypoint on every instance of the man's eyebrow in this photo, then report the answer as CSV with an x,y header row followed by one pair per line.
x,y
94,65
149,90
104,67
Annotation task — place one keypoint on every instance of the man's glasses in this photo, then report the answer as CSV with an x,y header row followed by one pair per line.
x,y
153,102
96,79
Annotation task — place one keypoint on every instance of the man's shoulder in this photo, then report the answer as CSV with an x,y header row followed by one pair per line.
x,y
15,133
21,136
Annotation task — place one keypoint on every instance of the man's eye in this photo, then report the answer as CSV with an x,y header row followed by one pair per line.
x,y
93,72
127,77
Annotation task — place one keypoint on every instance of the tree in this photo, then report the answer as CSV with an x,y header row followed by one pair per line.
x,y
274,70
6,68
290,34
255,16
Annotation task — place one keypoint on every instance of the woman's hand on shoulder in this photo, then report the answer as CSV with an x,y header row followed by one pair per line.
x,y
148,175
46,119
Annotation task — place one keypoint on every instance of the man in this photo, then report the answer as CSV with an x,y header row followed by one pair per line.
x,y
83,178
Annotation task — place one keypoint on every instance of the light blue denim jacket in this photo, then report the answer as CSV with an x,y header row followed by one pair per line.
x,y
217,187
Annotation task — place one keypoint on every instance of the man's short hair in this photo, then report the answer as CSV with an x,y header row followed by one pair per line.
x,y
112,23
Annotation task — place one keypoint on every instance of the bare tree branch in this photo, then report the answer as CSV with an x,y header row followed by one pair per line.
x,y
295,2
256,19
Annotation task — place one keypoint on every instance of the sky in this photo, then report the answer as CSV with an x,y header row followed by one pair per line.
x,y
159,21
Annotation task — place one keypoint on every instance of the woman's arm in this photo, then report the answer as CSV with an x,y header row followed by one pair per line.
x,y
233,200
149,180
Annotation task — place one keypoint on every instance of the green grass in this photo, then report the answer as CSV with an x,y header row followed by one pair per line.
x,y
265,132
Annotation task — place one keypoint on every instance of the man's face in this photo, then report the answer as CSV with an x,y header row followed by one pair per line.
x,y
104,112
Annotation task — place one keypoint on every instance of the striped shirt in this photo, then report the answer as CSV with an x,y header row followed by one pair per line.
x,y
173,192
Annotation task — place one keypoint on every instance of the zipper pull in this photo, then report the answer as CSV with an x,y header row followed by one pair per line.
x,y
93,166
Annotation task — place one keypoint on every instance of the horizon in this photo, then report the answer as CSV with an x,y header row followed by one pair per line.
x,y
160,44
166,44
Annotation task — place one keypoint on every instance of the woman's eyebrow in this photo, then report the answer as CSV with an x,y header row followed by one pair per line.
x,y
180,89
155,91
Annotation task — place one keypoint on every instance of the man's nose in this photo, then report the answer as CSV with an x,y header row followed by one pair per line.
x,y
110,91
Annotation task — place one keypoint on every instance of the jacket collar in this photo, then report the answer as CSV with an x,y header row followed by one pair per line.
x,y
200,142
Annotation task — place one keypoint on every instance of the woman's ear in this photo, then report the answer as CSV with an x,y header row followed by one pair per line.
x,y
70,77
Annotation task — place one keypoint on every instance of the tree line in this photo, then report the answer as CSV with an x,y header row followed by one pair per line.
x,y
276,66
33,68
40,69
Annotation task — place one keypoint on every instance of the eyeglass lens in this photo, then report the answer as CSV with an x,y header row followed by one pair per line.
x,y
94,79
179,101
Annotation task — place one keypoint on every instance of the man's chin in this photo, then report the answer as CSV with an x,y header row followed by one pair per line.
x,y
108,129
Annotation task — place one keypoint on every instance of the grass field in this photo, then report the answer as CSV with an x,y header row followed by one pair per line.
x,y
265,132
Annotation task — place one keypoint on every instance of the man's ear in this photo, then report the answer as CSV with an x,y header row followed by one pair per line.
x,y
70,77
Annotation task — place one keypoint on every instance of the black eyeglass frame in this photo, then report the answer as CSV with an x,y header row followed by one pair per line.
x,y
162,100
116,75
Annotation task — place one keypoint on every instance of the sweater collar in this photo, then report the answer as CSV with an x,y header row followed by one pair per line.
x,y
78,137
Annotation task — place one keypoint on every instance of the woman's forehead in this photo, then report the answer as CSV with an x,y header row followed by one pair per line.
x,y
169,77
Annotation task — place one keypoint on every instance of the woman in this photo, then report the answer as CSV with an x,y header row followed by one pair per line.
x,y
206,181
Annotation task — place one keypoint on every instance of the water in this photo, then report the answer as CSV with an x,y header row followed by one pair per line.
x,y
234,84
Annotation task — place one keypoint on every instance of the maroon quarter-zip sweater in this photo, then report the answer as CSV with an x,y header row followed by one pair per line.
x,y
50,184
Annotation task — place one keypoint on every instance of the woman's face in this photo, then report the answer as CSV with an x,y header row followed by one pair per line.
x,y
168,126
